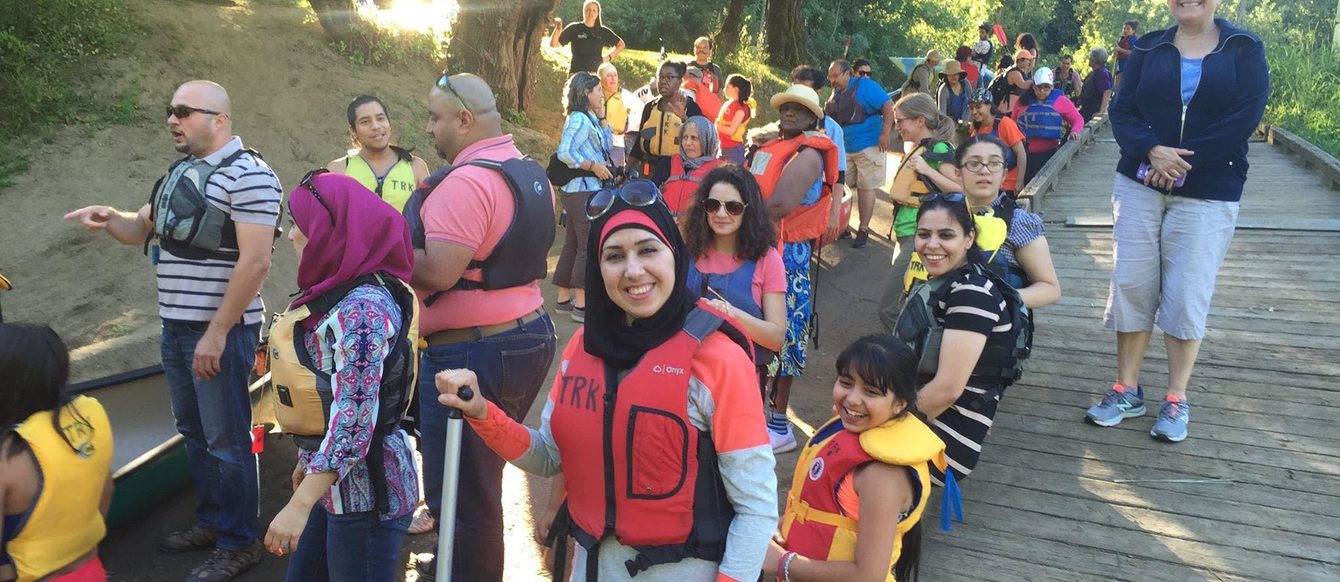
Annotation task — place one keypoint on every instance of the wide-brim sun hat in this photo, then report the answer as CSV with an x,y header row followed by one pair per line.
x,y
800,95
952,68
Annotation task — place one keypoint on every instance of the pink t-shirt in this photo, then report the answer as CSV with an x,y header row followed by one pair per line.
x,y
769,275
473,208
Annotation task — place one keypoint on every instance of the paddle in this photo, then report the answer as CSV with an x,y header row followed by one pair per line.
x,y
451,468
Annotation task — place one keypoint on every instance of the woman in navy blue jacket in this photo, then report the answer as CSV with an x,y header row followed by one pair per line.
x,y
1190,98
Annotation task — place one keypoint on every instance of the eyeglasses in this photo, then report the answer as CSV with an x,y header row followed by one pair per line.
x,y
863,73
951,197
309,183
639,192
444,83
977,166
733,207
184,111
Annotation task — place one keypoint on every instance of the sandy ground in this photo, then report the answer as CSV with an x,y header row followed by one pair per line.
x,y
289,92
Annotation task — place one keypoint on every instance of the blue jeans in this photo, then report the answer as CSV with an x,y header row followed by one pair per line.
x,y
511,367
215,418
355,547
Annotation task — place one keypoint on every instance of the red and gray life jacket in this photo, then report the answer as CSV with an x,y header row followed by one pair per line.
x,y
520,257
648,476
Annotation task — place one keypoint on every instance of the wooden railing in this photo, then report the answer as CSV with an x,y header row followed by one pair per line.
x,y
1046,179
1312,156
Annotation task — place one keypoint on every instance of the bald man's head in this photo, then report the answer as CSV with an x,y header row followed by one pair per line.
x,y
208,125
462,111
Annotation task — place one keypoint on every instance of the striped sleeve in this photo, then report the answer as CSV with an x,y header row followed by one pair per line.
x,y
974,304
251,189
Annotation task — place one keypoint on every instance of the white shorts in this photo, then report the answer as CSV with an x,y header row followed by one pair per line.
x,y
1166,252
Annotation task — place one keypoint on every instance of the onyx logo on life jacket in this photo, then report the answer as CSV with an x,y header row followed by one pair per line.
x,y
667,369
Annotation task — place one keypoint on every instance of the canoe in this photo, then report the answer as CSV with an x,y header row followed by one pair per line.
x,y
149,463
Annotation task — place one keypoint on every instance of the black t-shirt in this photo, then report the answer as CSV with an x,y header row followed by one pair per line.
x,y
587,44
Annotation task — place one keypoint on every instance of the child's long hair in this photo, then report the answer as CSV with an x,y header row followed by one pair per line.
x,y
884,362
35,366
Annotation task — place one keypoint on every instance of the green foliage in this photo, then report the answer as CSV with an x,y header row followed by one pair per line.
x,y
47,49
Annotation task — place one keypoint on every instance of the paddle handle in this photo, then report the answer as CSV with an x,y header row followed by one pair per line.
x,y
451,467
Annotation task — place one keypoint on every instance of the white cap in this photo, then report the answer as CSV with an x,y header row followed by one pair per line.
x,y
1043,76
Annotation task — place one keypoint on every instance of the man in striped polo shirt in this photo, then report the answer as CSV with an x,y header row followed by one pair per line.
x,y
211,308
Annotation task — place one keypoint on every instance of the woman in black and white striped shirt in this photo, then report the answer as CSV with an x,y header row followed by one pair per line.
x,y
959,323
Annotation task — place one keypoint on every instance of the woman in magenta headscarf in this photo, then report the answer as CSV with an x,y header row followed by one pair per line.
x,y
348,337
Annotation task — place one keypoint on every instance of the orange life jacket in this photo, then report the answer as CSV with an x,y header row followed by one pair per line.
x,y
805,222
631,453
814,525
680,186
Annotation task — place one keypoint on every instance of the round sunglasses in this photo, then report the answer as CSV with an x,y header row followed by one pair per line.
x,y
637,192
733,207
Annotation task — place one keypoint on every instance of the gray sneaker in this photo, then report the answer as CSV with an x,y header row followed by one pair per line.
x,y
1172,421
224,565
1117,406
196,537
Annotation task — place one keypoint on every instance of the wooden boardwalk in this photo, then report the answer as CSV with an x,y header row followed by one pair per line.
x,y
1253,493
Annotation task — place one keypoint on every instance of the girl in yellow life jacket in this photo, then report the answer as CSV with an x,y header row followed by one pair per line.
x,y
55,464
873,459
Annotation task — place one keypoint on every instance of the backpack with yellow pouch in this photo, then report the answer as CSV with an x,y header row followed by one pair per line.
x,y
303,393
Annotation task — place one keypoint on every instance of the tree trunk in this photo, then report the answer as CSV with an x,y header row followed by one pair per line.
x,y
499,40
342,22
784,33
727,38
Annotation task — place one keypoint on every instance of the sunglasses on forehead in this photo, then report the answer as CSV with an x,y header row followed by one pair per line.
x,y
638,192
444,83
308,182
733,207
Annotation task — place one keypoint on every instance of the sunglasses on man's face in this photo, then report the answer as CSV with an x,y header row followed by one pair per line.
x,y
865,73
309,183
184,111
733,207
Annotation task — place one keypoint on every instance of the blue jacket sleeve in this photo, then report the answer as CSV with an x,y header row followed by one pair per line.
x,y
1225,137
1135,135
574,131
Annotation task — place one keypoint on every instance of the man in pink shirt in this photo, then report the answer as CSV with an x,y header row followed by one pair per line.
x,y
1046,116
477,272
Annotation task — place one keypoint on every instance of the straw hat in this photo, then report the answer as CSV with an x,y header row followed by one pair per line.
x,y
801,95
952,68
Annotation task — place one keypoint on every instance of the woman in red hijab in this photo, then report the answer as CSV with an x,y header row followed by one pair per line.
x,y
343,367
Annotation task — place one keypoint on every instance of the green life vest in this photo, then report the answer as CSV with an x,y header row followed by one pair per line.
x,y
395,187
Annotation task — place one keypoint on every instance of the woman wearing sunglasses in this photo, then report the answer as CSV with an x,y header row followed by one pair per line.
x,y
965,324
654,417
343,364
736,265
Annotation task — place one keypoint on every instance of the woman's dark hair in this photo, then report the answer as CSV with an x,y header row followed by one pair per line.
x,y
756,235
360,101
964,53
962,150
574,99
811,75
743,84
35,365
959,211
1025,40
888,364
1006,61
678,67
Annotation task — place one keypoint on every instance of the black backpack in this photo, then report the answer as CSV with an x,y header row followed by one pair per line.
x,y
521,256
1000,87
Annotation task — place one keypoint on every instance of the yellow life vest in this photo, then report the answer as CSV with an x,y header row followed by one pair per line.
x,y
813,524
660,134
301,403
991,233
616,111
395,187
65,523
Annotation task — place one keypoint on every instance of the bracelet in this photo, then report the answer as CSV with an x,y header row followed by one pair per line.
x,y
780,573
786,566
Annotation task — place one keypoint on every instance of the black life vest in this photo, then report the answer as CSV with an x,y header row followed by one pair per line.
x,y
184,221
521,256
